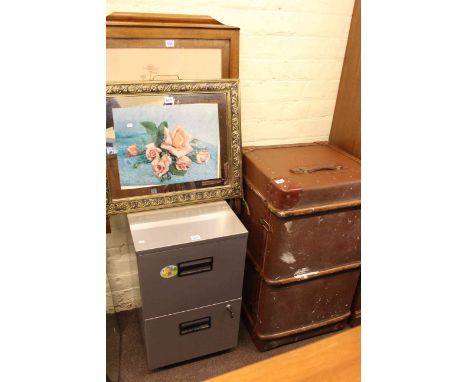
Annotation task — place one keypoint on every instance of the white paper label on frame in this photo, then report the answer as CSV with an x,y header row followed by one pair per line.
x,y
195,237
279,181
170,43
168,100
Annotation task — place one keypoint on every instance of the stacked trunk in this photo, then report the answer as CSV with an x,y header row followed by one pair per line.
x,y
303,259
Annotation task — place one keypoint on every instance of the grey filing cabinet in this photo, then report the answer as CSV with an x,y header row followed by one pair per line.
x,y
191,267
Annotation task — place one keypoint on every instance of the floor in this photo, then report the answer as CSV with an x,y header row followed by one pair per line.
x,y
133,363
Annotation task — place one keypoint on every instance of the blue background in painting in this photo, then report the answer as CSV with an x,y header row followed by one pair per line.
x,y
199,120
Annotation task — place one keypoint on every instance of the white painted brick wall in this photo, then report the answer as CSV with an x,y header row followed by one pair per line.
x,y
122,274
291,54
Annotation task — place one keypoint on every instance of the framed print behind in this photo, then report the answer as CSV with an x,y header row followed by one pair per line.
x,y
147,64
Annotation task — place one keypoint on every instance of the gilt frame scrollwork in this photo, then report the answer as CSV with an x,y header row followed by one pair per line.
x,y
231,187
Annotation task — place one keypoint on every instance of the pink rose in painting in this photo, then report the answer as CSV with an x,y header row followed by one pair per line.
x,y
152,152
203,156
177,142
161,166
183,163
132,151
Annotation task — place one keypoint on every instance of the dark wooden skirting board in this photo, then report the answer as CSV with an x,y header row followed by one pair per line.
x,y
346,127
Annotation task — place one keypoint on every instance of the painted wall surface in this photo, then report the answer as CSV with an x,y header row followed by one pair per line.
x,y
122,273
291,54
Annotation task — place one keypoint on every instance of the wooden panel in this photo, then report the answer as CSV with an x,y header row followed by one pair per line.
x,y
336,358
128,18
346,126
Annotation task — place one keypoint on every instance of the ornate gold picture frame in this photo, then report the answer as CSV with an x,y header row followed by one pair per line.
x,y
188,162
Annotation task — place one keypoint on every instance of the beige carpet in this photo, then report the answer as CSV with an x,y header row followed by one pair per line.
x,y
133,363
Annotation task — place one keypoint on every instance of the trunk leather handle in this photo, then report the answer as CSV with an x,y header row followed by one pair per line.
x,y
315,168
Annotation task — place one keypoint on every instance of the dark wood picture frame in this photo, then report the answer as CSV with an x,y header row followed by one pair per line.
x,y
150,30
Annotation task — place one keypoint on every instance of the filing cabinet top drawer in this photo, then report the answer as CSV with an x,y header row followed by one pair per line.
x,y
197,275
158,230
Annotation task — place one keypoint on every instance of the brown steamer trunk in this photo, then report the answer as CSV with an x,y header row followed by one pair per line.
x,y
303,215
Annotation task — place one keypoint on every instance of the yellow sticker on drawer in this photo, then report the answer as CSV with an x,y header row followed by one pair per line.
x,y
168,271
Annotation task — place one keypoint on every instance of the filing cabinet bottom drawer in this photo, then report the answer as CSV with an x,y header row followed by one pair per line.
x,y
193,333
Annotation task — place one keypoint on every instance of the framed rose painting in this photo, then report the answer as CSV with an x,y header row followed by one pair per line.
x,y
172,143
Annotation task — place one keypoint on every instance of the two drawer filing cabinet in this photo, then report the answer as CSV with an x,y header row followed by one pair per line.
x,y
191,266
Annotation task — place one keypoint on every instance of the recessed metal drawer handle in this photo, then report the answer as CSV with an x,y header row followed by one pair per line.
x,y
188,268
194,326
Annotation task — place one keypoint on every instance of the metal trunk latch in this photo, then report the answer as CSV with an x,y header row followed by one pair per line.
x,y
229,308
266,226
